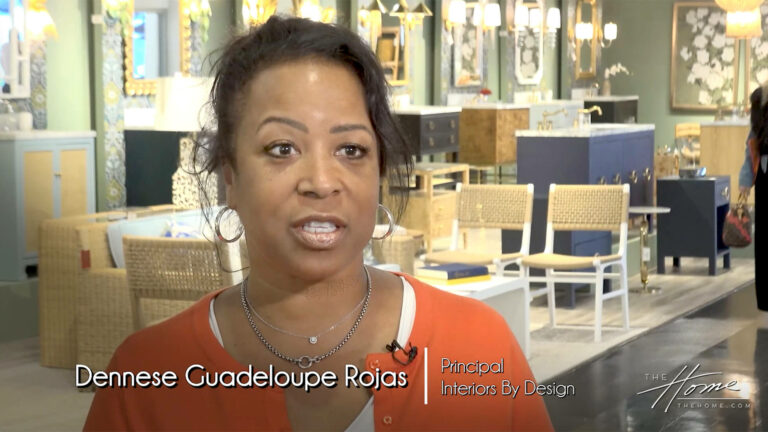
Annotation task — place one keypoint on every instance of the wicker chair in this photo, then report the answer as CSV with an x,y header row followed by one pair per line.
x,y
584,208
59,268
180,270
489,206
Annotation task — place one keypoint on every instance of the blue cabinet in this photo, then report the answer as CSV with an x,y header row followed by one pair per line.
x,y
623,154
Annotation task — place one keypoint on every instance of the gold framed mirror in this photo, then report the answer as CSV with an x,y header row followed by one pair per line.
x,y
586,50
156,44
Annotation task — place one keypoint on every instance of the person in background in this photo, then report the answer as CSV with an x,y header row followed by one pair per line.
x,y
754,172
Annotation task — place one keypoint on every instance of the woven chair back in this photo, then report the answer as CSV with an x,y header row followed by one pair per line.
x,y
495,206
588,207
170,268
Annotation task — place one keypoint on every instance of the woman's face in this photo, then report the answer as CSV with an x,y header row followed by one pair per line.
x,y
306,179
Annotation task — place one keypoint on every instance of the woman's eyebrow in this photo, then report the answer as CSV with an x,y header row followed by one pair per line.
x,y
284,120
351,127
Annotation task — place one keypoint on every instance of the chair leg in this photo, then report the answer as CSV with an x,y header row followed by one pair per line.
x,y
598,304
527,293
624,294
551,297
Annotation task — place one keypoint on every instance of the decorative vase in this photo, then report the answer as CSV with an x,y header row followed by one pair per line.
x,y
606,89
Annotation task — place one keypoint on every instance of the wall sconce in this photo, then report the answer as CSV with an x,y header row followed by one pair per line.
x,y
370,18
486,16
257,12
743,24
531,18
410,18
609,33
457,14
584,31
312,10
39,22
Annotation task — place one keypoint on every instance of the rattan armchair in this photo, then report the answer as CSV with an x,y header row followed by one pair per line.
x,y
584,208
177,270
508,207
59,270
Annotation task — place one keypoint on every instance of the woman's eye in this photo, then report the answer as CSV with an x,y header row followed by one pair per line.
x,y
281,150
353,151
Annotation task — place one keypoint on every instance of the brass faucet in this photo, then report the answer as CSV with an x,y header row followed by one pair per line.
x,y
583,116
545,124
591,109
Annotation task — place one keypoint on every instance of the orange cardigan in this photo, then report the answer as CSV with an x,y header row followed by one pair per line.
x,y
450,326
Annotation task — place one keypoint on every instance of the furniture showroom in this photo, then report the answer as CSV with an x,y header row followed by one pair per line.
x,y
574,163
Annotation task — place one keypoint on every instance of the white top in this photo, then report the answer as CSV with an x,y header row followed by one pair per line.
x,y
649,210
611,98
44,134
364,420
595,129
427,109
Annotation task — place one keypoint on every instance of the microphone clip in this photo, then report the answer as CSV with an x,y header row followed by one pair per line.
x,y
411,352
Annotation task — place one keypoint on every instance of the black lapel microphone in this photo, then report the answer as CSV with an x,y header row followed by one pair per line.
x,y
407,356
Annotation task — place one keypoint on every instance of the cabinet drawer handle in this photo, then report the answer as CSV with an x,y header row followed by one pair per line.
x,y
601,180
453,124
57,174
431,125
431,142
725,192
453,139
617,179
633,176
647,174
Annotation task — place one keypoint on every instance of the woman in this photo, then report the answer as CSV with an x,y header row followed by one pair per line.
x,y
304,136
753,172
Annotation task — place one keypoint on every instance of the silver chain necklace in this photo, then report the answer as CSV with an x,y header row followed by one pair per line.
x,y
304,361
311,339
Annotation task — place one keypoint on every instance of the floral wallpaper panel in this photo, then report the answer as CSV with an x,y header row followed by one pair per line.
x,y
468,54
703,59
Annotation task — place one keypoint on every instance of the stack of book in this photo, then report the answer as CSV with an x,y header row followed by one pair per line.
x,y
452,274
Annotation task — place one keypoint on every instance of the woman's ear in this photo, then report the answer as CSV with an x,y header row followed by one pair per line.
x,y
229,185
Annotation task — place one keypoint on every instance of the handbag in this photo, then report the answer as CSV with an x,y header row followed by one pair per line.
x,y
737,228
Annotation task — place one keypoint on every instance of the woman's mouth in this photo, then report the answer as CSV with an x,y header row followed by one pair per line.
x,y
319,234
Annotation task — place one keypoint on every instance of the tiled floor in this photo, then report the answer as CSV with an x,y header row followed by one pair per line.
x,y
729,338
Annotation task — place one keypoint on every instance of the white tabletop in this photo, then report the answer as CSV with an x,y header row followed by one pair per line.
x,y
649,210
485,289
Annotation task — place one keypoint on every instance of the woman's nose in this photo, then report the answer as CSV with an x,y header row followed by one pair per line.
x,y
320,176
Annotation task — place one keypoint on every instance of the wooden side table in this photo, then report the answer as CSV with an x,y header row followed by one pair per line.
x,y
432,209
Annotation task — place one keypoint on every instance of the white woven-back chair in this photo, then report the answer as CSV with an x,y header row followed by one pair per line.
x,y
508,207
584,208
179,269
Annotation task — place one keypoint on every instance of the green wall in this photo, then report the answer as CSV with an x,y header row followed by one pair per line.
x,y
644,46
67,62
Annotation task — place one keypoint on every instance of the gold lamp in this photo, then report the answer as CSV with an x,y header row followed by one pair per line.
x,y
312,10
257,12
743,24
370,18
39,21
738,5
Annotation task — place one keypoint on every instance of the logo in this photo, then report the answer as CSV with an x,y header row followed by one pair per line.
x,y
693,390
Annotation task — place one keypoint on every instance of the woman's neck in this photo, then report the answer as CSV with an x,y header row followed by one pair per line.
x,y
290,299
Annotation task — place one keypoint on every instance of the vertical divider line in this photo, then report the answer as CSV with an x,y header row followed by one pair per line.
x,y
425,374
